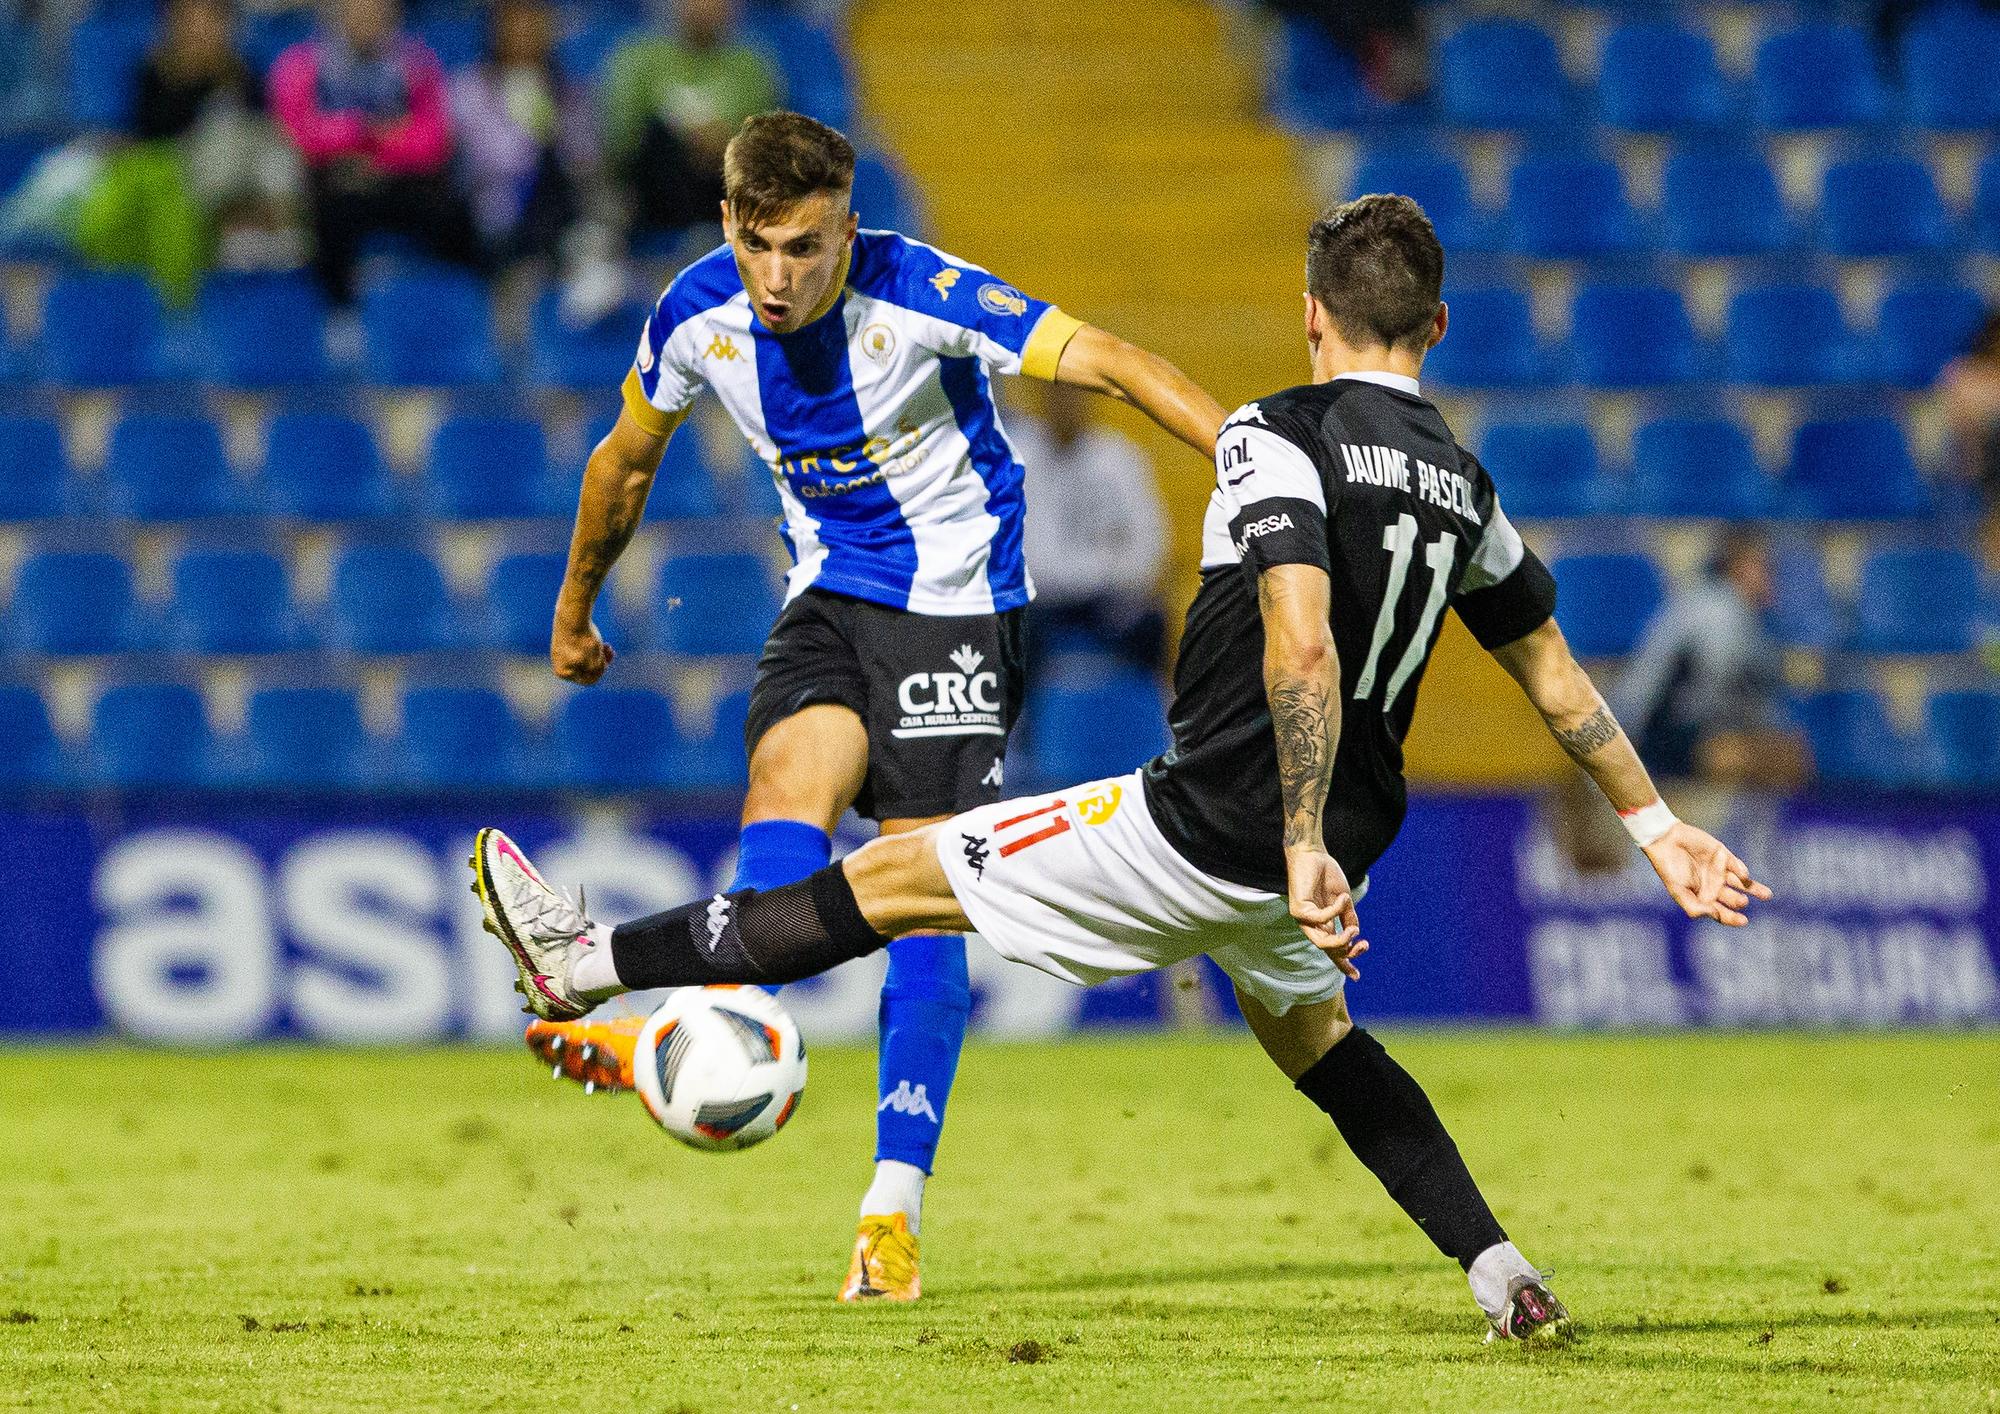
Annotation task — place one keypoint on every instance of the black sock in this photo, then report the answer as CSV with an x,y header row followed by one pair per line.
x,y
750,935
1388,1122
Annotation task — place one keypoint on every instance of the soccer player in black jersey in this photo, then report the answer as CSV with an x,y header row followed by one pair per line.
x,y
1345,521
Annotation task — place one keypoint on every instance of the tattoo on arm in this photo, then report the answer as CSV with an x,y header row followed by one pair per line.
x,y
1598,729
1300,714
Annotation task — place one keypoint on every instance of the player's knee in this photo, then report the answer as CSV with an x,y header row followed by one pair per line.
x,y
929,967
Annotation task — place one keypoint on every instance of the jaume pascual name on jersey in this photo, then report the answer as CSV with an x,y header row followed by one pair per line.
x,y
1390,468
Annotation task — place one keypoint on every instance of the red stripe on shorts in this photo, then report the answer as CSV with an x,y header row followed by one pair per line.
x,y
1046,832
1029,816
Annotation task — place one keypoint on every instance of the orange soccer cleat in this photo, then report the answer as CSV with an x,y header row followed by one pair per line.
x,y
885,1261
596,1052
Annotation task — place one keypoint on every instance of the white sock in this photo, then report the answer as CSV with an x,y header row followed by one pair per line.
x,y
1490,1273
898,1188
591,974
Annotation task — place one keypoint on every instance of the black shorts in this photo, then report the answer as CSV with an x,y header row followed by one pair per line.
x,y
937,695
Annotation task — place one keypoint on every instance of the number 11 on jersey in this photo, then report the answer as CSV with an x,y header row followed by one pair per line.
x,y
1400,540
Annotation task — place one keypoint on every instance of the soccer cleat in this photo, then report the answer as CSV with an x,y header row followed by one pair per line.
x,y
884,1267
1532,1312
543,927
598,1053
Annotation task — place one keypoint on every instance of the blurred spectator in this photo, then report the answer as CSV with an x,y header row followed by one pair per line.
x,y
527,136
1969,389
1704,695
205,166
366,106
670,106
1382,36
1096,536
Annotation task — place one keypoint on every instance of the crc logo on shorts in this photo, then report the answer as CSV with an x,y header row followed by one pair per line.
x,y
1002,299
1099,806
965,702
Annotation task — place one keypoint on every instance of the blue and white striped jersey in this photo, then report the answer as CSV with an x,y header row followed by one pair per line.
x,y
877,419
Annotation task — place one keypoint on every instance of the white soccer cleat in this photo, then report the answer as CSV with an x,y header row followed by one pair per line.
x,y
544,928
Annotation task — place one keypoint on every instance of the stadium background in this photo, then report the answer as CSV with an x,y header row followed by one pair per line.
x,y
275,611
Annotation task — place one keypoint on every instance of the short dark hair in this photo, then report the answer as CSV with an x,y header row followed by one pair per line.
x,y
777,160
1376,265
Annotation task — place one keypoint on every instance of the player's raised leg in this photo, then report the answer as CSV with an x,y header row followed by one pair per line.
x,y
1392,1127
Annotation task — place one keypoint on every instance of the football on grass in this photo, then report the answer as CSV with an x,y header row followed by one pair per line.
x,y
720,1067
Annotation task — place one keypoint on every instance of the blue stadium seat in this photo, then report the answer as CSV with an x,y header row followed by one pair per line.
x,y
882,197
1604,601
264,35
457,738
101,330
1435,181
1986,203
169,467
1852,740
1697,466
1873,206
1792,336
35,482
591,359
304,738
592,37
490,468
430,327
325,466
1544,469
616,738
1916,601
1632,336
1854,468
390,599
1562,207
262,331
1502,74
1316,85
1490,343
1086,725
686,487
30,755
1922,326
151,734
716,761
1950,56
809,60
1962,733
1656,76
231,601
105,52
1819,75
73,602
715,603
1723,204
458,39
1805,613
521,603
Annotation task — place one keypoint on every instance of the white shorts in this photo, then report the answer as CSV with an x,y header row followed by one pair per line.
x,y
1081,884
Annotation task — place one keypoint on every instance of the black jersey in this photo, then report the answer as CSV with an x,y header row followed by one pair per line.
x,y
1364,480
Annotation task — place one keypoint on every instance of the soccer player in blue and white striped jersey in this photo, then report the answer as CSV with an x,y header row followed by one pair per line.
x,y
859,366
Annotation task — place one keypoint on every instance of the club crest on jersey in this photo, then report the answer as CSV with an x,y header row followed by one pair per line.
x,y
878,341
964,702
722,347
1099,806
1002,299
943,281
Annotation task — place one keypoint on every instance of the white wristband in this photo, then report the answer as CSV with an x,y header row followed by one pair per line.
x,y
1648,822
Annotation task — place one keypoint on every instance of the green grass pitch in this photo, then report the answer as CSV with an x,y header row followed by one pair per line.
x,y
1738,1222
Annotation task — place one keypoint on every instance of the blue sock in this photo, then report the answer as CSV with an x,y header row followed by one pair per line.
x,y
773,853
926,999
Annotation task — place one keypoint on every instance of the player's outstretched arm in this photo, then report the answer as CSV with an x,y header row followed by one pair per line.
x,y
1705,879
1103,363
616,482
1302,683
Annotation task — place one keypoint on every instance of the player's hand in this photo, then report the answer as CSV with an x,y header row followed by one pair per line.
x,y
1705,879
579,655
1323,905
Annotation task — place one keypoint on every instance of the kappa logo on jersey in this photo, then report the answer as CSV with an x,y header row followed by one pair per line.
x,y
1249,412
1098,807
976,854
907,1099
1002,299
878,341
718,920
943,281
996,775
722,347
961,703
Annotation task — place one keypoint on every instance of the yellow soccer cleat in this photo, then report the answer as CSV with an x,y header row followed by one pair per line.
x,y
595,1052
885,1261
